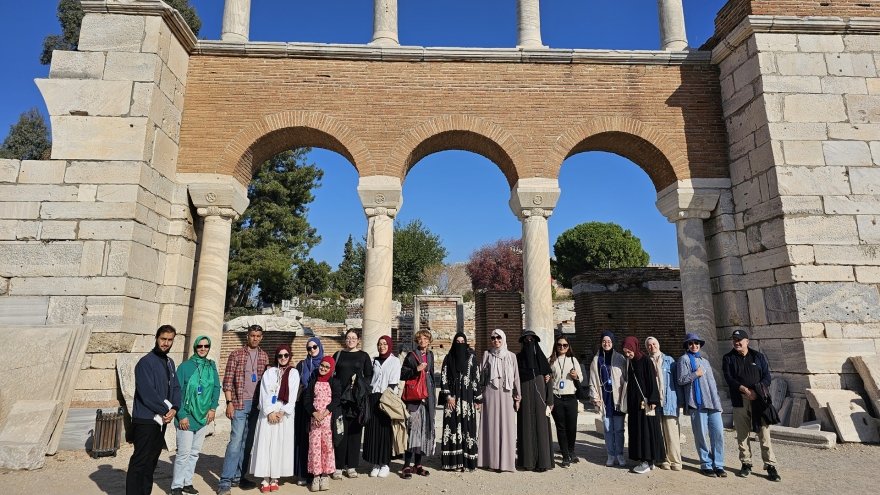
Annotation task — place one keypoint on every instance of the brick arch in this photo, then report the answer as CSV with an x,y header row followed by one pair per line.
x,y
460,132
645,146
274,133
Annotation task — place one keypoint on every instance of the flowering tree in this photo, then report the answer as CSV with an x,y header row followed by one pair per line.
x,y
497,266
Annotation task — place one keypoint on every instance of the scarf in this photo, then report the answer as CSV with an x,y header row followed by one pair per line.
x,y
309,363
657,359
200,386
387,353
332,362
532,361
499,369
698,394
632,344
459,353
284,389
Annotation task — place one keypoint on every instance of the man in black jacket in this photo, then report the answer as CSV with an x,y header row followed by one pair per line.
x,y
747,374
156,402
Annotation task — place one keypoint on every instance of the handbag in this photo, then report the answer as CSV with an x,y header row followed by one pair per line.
x,y
416,389
770,415
580,392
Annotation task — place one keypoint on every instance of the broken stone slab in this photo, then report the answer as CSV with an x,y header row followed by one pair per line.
x,y
819,398
868,368
784,411
24,438
853,423
778,390
797,412
812,425
803,437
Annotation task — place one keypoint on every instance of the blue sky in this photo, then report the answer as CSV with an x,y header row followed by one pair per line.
x,y
459,195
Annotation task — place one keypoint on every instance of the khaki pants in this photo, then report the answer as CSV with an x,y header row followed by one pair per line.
x,y
672,439
742,421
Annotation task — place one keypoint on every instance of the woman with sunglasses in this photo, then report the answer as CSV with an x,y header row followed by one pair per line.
x,y
608,394
566,372
703,405
501,399
200,384
460,389
321,398
272,454
307,369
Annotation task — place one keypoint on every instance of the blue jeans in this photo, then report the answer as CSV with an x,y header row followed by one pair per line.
x,y
614,434
238,450
708,437
189,444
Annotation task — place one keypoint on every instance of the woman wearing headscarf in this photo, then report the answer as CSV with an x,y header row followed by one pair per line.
x,y
200,384
321,398
272,454
566,370
460,389
307,368
642,403
608,394
501,400
378,435
534,451
671,401
420,424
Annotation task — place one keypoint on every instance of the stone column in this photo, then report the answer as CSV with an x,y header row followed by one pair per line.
x,y
219,204
528,14
385,23
236,21
687,206
381,197
532,201
672,31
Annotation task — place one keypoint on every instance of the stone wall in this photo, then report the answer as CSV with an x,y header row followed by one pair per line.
x,y
102,234
635,301
802,107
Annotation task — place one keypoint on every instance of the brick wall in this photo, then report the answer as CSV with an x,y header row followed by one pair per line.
x,y
496,309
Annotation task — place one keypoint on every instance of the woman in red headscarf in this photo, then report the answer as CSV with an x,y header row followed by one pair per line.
x,y
272,454
378,435
320,401
642,401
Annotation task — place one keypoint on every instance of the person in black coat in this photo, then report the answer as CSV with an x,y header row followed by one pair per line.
x,y
643,405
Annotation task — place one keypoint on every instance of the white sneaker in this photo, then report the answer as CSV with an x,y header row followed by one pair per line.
x,y
621,461
383,471
351,473
374,472
610,461
642,468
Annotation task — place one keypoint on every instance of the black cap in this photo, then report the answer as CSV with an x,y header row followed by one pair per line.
x,y
739,335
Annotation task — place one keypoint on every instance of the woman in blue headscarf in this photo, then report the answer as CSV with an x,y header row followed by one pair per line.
x,y
608,395
307,368
200,384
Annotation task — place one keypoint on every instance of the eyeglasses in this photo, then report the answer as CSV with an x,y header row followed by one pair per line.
x,y
203,346
311,347
496,337
564,346
324,367
693,343
282,356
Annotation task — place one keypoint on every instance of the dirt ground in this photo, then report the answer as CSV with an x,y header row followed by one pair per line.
x,y
850,467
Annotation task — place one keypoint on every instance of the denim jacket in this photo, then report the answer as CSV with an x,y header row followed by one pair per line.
x,y
673,398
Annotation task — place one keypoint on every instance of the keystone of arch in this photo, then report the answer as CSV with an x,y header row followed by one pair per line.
x,y
649,148
319,130
464,132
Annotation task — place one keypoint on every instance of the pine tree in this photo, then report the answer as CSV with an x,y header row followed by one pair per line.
x,y
28,139
347,279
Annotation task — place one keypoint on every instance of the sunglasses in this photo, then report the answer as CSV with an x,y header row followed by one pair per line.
x,y
282,356
693,343
496,337
203,346
311,347
564,346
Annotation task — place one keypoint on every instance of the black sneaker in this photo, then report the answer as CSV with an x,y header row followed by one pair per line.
x,y
772,475
574,459
190,489
720,472
709,472
246,484
176,491
745,471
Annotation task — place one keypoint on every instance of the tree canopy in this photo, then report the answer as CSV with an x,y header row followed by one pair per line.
x,y
594,246
28,139
415,249
310,278
497,266
273,237
348,278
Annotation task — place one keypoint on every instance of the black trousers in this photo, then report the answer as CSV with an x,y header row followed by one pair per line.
x,y
348,452
565,413
148,440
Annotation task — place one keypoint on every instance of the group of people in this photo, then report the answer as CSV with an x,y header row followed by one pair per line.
x,y
651,389
316,420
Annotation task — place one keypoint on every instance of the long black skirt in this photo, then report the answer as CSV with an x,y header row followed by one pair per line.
x,y
377,435
301,442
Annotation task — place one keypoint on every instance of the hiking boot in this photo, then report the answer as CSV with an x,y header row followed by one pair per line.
x,y
745,471
772,475
642,468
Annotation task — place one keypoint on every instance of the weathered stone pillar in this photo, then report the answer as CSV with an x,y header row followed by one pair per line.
x,y
528,15
672,31
385,23
236,21
532,201
687,206
219,204
381,197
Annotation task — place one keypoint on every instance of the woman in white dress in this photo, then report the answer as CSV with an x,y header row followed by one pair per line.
x,y
272,454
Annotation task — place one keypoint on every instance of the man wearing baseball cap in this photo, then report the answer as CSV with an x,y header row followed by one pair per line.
x,y
747,374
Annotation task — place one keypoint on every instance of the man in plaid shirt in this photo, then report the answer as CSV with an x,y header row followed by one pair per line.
x,y
244,369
